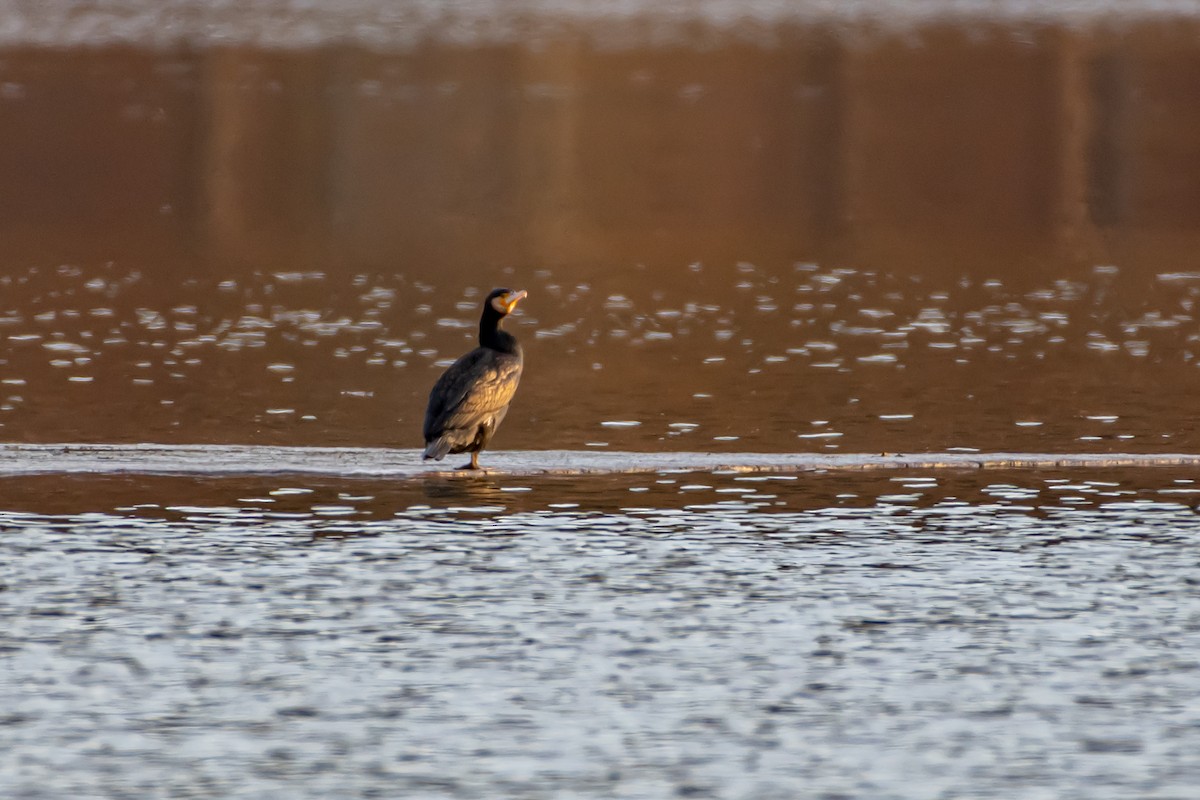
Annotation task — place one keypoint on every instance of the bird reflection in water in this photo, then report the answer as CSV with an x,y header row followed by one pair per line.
x,y
480,491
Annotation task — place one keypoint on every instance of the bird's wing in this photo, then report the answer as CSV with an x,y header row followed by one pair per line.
x,y
476,386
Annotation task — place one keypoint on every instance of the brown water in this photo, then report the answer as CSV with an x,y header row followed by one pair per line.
x,y
732,358
956,235
755,232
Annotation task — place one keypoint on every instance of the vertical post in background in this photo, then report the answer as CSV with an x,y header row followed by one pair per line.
x,y
830,151
266,192
1073,131
1107,179
548,147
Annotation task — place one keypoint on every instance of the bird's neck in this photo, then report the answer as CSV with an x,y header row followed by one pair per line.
x,y
491,335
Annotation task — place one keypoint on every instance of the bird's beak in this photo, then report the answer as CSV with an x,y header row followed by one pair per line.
x,y
512,298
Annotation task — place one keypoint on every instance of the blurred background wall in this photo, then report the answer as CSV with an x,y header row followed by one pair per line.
x,y
355,135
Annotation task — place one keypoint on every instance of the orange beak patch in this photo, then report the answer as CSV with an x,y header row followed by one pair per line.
x,y
512,298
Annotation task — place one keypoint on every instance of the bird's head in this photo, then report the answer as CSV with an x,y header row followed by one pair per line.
x,y
503,301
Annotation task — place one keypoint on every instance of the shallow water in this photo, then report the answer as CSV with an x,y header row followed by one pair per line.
x,y
741,358
926,635
956,233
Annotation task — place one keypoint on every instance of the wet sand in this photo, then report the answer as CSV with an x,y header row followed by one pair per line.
x,y
353,463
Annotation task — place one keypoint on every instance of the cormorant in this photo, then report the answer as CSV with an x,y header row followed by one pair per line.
x,y
470,400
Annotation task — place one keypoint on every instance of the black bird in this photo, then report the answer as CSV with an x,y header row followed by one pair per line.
x,y
470,400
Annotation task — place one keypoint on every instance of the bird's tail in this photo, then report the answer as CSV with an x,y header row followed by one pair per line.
x,y
437,449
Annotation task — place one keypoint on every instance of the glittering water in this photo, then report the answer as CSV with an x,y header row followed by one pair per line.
x,y
741,358
932,634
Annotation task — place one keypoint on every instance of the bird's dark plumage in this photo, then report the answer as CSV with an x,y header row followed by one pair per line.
x,y
470,400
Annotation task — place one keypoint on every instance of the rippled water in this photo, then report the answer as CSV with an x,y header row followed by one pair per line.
x,y
740,358
926,635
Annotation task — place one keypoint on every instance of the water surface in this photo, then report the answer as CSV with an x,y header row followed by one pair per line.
x,y
924,635
745,229
736,358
